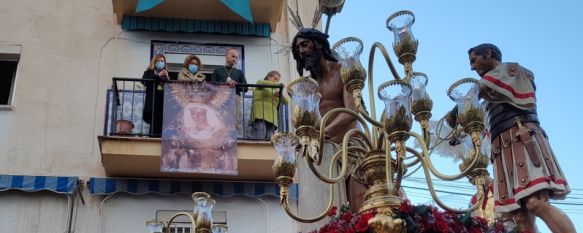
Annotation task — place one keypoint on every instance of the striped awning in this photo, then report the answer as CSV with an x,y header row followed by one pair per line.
x,y
138,23
57,184
108,186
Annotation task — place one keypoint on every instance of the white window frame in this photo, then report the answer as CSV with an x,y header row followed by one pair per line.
x,y
11,53
181,223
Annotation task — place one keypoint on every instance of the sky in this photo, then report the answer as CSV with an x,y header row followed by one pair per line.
x,y
540,35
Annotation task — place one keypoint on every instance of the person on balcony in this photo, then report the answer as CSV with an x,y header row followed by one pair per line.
x,y
230,75
191,70
154,103
526,172
264,111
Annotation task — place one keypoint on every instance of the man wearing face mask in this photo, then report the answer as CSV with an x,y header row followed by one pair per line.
x,y
191,70
154,103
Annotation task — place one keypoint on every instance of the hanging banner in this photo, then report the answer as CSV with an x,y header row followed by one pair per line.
x,y
199,130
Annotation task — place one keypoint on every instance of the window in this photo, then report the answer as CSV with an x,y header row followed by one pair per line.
x,y
9,57
182,224
179,228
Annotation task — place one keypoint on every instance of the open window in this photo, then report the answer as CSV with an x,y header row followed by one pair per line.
x,y
9,57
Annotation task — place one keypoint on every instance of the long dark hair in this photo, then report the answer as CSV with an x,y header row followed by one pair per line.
x,y
321,44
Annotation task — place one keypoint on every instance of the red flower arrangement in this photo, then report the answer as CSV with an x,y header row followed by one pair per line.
x,y
419,219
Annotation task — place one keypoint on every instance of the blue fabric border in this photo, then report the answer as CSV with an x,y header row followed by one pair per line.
x,y
108,186
57,184
140,23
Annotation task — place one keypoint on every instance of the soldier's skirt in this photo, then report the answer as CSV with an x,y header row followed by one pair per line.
x,y
524,165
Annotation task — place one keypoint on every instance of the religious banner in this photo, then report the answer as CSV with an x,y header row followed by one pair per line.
x,y
199,130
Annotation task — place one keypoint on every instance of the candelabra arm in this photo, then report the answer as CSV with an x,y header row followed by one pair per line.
x,y
388,163
371,90
426,160
370,119
411,164
383,50
426,132
358,117
400,148
480,189
438,129
322,215
344,164
190,216
375,124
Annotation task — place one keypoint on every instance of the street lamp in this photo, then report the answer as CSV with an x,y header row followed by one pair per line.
x,y
382,159
200,218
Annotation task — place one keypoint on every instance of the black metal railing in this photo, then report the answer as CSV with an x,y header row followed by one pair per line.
x,y
126,113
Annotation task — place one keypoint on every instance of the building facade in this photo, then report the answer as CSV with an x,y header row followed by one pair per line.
x,y
62,169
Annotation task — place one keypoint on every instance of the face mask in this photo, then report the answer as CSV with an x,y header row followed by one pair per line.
x,y
160,65
192,68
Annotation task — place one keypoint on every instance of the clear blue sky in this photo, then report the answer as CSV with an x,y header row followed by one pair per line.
x,y
543,36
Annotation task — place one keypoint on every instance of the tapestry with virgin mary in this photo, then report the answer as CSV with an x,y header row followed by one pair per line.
x,y
199,134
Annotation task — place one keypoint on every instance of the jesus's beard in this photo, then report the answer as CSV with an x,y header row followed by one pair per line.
x,y
310,62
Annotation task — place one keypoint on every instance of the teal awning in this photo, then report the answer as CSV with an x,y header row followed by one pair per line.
x,y
137,23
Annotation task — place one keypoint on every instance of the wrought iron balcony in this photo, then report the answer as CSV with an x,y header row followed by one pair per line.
x,y
129,149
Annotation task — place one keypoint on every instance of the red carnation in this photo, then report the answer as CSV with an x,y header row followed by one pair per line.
x,y
476,230
481,221
362,223
349,230
441,226
332,211
406,207
347,217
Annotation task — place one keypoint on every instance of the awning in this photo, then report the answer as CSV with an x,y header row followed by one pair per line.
x,y
57,184
108,186
257,11
139,23
241,7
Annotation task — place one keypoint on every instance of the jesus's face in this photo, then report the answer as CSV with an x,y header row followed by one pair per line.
x,y
309,56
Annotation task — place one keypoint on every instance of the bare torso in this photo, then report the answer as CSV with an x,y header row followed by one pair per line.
x,y
334,95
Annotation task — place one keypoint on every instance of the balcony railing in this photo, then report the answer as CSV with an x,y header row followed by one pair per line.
x,y
126,101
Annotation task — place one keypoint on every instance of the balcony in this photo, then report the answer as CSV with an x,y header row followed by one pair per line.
x,y
137,153
263,11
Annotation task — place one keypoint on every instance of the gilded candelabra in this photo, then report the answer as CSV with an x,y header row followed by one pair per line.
x,y
380,159
200,219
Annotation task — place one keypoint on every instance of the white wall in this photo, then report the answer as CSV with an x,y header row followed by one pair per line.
x,y
51,129
70,51
32,212
244,214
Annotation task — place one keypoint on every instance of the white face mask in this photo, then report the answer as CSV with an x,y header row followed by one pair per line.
x,y
160,65
193,68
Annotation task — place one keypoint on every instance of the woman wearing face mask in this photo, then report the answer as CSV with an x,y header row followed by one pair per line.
x,y
191,70
154,104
